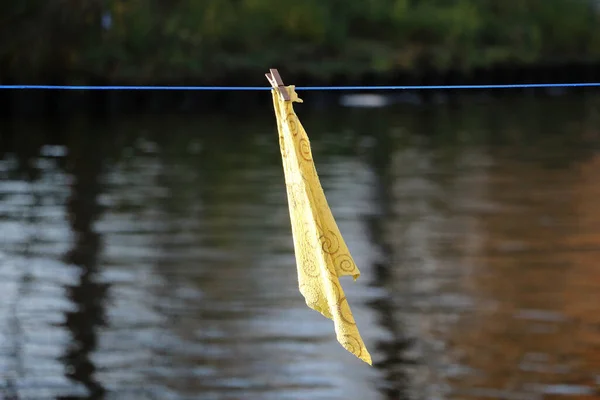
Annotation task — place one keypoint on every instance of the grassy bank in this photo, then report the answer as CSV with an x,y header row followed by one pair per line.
x,y
209,40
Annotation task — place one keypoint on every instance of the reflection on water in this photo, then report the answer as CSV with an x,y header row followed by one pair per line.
x,y
151,258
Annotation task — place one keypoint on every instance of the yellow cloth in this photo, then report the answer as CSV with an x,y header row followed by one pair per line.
x,y
321,254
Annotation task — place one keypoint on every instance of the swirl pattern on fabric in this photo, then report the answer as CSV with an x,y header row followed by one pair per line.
x,y
322,256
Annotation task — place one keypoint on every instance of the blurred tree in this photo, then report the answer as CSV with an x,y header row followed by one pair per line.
x,y
46,35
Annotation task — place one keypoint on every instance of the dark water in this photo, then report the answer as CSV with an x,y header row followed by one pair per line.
x,y
151,257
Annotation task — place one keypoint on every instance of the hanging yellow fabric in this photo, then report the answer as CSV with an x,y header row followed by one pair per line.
x,y
321,253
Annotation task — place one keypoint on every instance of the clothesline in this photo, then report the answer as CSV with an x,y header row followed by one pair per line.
x,y
301,88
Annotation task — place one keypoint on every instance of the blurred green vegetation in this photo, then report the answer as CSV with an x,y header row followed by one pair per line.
x,y
211,39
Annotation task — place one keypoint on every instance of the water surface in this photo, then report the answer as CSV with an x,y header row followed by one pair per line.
x,y
151,257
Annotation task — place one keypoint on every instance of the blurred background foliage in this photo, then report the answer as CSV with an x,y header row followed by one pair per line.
x,y
151,40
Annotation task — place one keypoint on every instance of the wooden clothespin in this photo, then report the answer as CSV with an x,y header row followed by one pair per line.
x,y
276,82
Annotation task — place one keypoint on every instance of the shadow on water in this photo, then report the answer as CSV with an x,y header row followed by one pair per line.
x,y
151,257
393,349
84,163
33,152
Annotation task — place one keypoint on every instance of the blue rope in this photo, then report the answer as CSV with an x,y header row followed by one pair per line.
x,y
319,88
